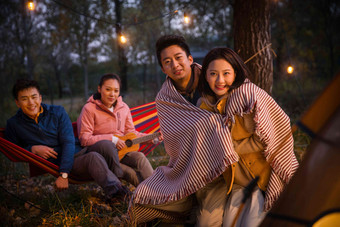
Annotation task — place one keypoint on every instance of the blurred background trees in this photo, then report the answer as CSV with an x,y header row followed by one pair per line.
x,y
68,45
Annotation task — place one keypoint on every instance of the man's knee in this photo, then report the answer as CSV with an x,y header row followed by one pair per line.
x,y
208,218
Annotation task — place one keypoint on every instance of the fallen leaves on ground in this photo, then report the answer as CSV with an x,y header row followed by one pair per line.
x,y
37,199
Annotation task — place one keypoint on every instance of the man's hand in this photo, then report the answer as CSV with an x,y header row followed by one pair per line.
x,y
44,151
120,144
61,183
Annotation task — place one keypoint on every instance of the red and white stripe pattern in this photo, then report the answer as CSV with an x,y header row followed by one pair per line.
x,y
200,146
273,128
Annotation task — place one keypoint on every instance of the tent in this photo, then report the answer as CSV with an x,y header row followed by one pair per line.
x,y
312,198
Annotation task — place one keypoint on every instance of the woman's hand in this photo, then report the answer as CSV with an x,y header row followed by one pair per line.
x,y
120,144
159,139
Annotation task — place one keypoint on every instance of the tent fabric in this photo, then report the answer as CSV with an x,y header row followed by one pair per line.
x,y
145,120
322,109
313,192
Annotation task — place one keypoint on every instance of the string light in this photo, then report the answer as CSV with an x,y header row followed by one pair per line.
x,y
290,69
30,5
170,14
186,18
122,39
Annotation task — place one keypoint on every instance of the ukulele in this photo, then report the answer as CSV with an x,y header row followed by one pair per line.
x,y
132,142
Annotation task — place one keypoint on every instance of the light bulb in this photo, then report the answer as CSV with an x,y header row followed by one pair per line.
x,y
290,69
186,18
123,39
30,5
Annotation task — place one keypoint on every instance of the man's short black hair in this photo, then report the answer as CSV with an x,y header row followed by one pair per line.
x,y
169,40
23,84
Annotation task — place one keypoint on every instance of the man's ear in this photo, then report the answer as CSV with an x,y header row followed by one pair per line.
x,y
17,103
191,59
163,70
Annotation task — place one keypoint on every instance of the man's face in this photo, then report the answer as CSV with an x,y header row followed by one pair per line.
x,y
29,100
176,64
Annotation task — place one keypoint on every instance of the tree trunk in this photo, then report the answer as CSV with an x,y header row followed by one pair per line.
x,y
58,78
144,82
85,57
122,61
251,34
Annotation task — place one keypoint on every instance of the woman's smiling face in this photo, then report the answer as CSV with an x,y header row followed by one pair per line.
x,y
109,92
220,75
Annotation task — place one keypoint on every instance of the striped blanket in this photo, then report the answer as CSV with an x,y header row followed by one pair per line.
x,y
200,147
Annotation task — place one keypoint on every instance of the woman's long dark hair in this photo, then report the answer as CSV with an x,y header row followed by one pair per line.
x,y
104,78
240,69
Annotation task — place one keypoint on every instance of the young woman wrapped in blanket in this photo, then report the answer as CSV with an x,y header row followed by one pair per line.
x,y
260,133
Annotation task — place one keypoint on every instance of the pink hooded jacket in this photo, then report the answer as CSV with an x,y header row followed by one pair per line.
x,y
96,122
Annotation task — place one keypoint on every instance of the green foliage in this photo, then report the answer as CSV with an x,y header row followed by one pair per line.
x,y
12,170
158,157
295,96
301,143
7,110
305,35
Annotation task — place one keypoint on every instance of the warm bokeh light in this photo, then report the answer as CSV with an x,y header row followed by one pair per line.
x,y
290,69
123,39
30,5
186,18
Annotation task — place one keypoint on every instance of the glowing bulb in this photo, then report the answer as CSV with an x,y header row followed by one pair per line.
x,y
123,39
186,18
290,69
30,5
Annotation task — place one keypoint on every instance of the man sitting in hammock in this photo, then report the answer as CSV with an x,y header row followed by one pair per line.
x,y
46,130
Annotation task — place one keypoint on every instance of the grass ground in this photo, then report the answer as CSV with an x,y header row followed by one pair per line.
x,y
34,201
28,201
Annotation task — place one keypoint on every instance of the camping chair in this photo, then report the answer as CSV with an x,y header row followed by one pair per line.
x,y
144,118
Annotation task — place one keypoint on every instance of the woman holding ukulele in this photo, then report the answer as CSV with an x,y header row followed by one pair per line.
x,y
104,119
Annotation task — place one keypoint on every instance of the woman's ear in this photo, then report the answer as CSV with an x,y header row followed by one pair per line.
x,y
98,89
